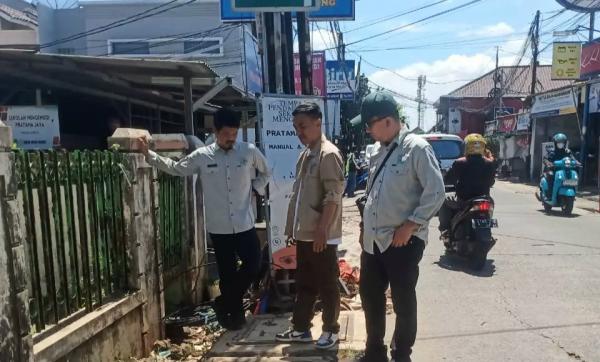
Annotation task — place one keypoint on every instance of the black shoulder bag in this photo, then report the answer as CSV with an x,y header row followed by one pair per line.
x,y
362,201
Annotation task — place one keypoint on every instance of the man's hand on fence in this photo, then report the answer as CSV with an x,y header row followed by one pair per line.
x,y
144,145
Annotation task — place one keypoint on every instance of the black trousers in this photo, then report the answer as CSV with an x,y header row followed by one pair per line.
x,y
316,275
234,279
399,269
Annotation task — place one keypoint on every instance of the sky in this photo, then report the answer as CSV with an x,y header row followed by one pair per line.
x,y
450,49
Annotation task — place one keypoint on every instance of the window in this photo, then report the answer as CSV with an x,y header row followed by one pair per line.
x,y
130,47
66,51
212,47
167,47
447,150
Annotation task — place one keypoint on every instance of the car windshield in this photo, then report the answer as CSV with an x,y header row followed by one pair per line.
x,y
447,149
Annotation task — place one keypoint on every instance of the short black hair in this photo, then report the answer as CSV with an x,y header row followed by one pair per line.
x,y
227,118
311,109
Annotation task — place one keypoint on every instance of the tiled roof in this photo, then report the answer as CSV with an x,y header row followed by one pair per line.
x,y
518,80
20,16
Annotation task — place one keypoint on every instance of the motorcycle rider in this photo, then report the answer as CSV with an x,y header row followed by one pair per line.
x,y
472,176
560,151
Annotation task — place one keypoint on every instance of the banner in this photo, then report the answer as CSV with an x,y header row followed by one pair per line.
x,y
523,122
33,127
341,79
594,98
333,126
282,148
252,65
566,60
454,121
590,60
553,104
318,74
507,124
490,128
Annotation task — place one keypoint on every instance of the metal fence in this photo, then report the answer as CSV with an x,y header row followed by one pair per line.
x,y
172,218
73,205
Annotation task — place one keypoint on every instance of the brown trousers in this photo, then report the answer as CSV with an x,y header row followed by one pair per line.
x,y
316,275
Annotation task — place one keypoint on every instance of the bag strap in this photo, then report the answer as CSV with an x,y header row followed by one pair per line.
x,y
380,168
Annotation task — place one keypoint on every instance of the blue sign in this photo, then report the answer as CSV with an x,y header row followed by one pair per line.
x,y
340,79
252,65
329,10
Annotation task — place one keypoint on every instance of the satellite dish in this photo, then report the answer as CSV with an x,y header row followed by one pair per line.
x,y
584,6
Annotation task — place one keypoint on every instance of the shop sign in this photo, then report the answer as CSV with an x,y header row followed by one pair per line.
x,y
318,74
566,61
507,124
523,121
33,127
553,104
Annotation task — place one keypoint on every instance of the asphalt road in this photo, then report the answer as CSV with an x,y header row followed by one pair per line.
x,y
537,299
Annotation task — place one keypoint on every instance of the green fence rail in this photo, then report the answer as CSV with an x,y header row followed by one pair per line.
x,y
73,206
172,218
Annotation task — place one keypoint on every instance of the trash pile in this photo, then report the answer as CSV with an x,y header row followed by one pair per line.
x,y
191,333
349,278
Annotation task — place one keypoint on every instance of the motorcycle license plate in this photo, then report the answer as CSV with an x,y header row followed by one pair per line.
x,y
570,182
485,223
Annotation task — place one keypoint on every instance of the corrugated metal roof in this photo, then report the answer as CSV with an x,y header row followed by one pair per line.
x,y
16,15
517,79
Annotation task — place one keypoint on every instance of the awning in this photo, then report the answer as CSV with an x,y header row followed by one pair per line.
x,y
151,83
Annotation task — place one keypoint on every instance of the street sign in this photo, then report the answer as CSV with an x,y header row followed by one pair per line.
x,y
566,60
34,127
275,5
341,79
330,10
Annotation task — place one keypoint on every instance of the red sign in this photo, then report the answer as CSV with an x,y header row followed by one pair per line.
x,y
590,59
507,124
318,74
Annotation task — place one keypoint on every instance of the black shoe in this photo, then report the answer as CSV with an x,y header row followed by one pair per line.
x,y
379,355
237,323
223,317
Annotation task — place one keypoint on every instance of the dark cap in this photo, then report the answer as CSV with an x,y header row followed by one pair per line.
x,y
377,104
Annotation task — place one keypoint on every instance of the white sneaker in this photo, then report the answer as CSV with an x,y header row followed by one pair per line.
x,y
327,340
294,336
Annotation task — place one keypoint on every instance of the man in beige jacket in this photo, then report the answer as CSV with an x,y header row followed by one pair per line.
x,y
314,224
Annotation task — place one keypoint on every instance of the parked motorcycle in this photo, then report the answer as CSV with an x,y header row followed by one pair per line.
x,y
566,180
470,233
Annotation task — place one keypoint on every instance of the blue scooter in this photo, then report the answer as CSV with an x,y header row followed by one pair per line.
x,y
564,189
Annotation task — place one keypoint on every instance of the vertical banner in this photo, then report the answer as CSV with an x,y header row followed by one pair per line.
x,y
332,120
454,121
282,148
318,74
33,127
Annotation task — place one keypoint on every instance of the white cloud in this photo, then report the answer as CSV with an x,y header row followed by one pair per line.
x,y
452,72
499,29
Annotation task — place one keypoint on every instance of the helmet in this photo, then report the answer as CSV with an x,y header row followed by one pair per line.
x,y
474,144
560,140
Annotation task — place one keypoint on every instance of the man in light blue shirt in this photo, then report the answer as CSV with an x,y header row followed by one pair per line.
x,y
229,171
402,198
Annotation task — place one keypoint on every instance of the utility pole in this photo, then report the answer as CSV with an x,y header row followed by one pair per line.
x,y
586,109
498,88
422,80
535,43
304,53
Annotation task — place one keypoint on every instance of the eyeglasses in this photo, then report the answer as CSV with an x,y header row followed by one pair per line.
x,y
371,122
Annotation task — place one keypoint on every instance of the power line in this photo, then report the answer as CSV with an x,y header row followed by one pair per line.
x,y
416,22
394,16
128,20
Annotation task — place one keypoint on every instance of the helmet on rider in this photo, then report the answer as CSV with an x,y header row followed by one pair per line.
x,y
560,141
475,144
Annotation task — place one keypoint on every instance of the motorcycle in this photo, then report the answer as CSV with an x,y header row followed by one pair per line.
x,y
566,180
470,233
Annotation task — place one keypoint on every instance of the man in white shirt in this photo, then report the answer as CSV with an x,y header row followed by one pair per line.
x,y
229,171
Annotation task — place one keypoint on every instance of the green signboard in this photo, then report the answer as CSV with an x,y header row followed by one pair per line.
x,y
275,5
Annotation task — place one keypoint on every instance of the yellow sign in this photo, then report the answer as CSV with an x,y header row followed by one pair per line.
x,y
566,61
